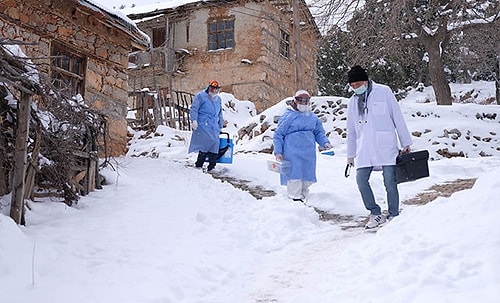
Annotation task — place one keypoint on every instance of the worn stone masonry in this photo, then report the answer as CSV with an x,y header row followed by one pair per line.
x,y
101,40
253,69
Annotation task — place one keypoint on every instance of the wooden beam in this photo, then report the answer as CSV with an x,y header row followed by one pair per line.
x,y
20,158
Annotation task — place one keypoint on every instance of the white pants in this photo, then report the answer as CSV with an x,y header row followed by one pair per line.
x,y
298,189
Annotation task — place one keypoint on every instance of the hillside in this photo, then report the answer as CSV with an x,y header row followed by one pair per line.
x,y
467,130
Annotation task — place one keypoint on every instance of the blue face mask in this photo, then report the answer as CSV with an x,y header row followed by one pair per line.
x,y
360,90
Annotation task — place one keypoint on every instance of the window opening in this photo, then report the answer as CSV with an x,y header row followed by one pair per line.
x,y
159,36
220,34
68,70
284,44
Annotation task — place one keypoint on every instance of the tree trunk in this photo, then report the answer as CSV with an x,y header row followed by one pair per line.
x,y
4,173
497,88
497,78
436,72
23,118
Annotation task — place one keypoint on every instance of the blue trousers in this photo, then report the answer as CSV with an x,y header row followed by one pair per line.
x,y
391,188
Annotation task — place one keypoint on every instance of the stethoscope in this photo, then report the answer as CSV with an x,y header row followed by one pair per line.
x,y
363,119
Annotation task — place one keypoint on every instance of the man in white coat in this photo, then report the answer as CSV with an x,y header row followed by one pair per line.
x,y
374,125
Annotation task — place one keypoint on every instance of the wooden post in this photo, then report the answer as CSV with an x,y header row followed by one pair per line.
x,y
156,105
91,168
20,155
144,109
170,66
32,167
296,39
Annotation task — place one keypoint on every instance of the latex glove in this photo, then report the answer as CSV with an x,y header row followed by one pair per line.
x,y
406,150
327,146
350,161
279,157
194,125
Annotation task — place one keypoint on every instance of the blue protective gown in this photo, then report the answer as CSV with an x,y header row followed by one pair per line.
x,y
295,138
207,111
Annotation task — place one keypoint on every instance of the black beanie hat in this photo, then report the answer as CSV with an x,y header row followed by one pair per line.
x,y
357,73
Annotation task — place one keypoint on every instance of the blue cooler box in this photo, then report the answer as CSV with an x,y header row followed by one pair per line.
x,y
225,149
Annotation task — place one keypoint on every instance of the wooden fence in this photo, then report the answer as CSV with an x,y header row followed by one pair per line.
x,y
161,108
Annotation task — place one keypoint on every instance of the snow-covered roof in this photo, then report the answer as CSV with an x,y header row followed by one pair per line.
x,y
142,6
123,22
140,9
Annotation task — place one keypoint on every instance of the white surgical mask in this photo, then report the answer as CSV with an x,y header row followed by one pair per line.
x,y
360,90
303,107
212,94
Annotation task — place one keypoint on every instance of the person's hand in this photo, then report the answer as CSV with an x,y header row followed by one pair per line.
x,y
350,161
194,125
406,150
327,146
279,157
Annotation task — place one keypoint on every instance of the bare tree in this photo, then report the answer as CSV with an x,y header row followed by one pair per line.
x,y
392,26
333,13
477,55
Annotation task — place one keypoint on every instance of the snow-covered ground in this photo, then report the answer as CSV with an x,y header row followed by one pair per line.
x,y
162,231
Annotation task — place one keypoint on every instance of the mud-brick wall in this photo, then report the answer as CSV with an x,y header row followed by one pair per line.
x,y
84,31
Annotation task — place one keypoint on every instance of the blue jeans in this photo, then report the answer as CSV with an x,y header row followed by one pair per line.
x,y
391,188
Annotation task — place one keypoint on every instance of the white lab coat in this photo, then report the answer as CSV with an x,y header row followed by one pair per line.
x,y
373,139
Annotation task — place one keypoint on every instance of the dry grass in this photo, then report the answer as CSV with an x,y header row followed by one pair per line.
x,y
440,190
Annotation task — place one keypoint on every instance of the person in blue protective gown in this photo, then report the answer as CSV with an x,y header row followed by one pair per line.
x,y
295,141
206,123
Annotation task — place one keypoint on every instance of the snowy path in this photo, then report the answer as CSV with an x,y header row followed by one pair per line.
x,y
165,233
291,273
142,233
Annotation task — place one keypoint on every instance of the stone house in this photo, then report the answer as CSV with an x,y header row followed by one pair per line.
x,y
81,48
248,46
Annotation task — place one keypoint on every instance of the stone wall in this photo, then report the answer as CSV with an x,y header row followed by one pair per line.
x,y
85,32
